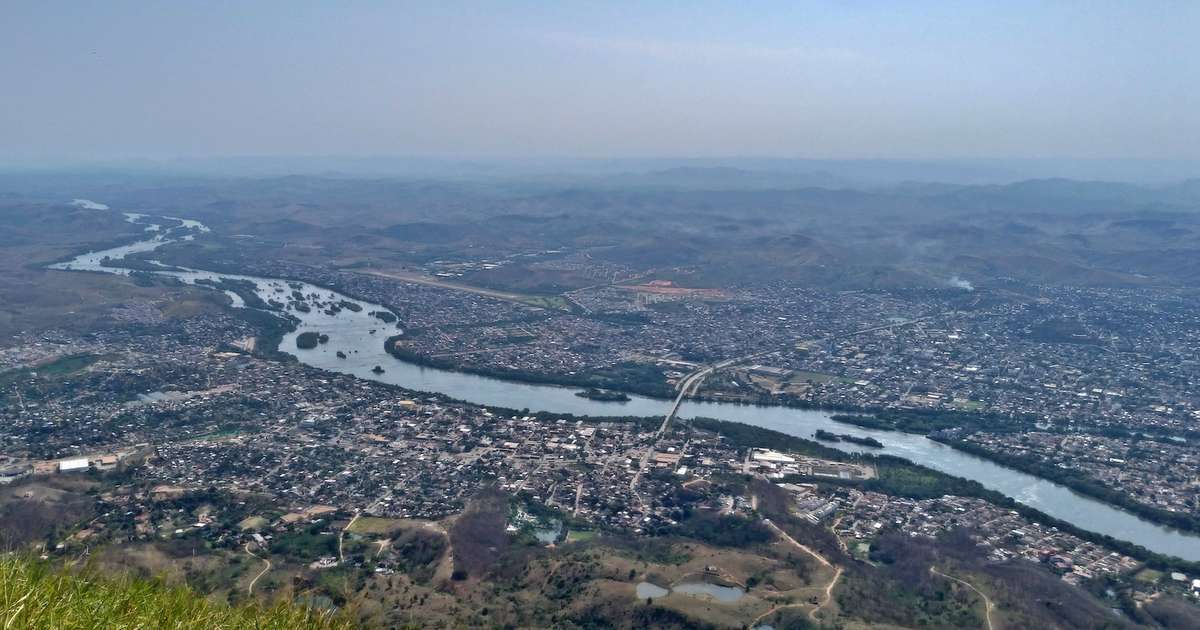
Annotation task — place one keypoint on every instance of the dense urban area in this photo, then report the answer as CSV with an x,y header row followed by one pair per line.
x,y
177,434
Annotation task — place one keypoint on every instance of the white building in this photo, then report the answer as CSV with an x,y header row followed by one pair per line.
x,y
772,457
73,464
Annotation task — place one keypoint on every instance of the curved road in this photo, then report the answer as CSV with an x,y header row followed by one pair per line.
x,y
250,589
987,602
837,574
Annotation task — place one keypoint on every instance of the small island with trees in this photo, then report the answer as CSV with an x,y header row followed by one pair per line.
x,y
604,395
383,316
829,436
309,340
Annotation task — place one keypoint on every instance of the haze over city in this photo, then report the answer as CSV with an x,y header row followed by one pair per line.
x,y
598,79
579,315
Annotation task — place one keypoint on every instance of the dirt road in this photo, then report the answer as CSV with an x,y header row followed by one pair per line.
x,y
987,602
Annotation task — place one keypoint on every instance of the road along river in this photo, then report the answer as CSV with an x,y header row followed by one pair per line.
x,y
360,337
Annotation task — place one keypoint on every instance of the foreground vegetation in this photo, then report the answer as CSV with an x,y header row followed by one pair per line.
x,y
36,595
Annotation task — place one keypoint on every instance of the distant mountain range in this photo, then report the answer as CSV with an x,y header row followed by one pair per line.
x,y
705,173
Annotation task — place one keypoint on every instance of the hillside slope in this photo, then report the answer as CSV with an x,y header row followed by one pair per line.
x,y
36,595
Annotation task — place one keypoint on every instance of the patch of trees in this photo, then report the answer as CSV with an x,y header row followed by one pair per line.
x,y
1061,331
305,545
1172,612
637,378
478,535
617,613
309,340
900,589
830,436
926,421
244,289
748,436
271,329
1032,597
23,521
776,503
726,531
418,552
593,393
384,316
568,579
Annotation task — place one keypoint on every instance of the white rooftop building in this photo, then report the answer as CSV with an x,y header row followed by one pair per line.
x,y
774,457
73,464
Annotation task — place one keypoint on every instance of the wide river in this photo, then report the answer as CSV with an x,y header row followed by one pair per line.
x,y
360,336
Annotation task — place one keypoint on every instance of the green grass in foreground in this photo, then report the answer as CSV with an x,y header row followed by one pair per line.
x,y
36,595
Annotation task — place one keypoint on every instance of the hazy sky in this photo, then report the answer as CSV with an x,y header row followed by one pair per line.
x,y
839,79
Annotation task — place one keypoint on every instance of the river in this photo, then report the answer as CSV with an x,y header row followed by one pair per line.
x,y
360,336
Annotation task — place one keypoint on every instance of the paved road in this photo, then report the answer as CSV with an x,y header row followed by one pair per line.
x,y
689,383
687,386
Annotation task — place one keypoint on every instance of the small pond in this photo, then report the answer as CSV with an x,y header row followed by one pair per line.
x,y
646,590
716,592
722,594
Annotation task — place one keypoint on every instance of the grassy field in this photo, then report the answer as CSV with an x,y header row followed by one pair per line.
x,y
253,523
62,366
547,301
34,595
550,302
580,535
1149,575
374,525
819,377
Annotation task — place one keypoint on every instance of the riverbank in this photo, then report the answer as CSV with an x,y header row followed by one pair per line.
x,y
1082,485
598,382
912,422
912,480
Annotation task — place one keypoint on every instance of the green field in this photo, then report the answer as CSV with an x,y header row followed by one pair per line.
x,y
546,301
374,525
252,523
1149,575
61,366
818,377
583,535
